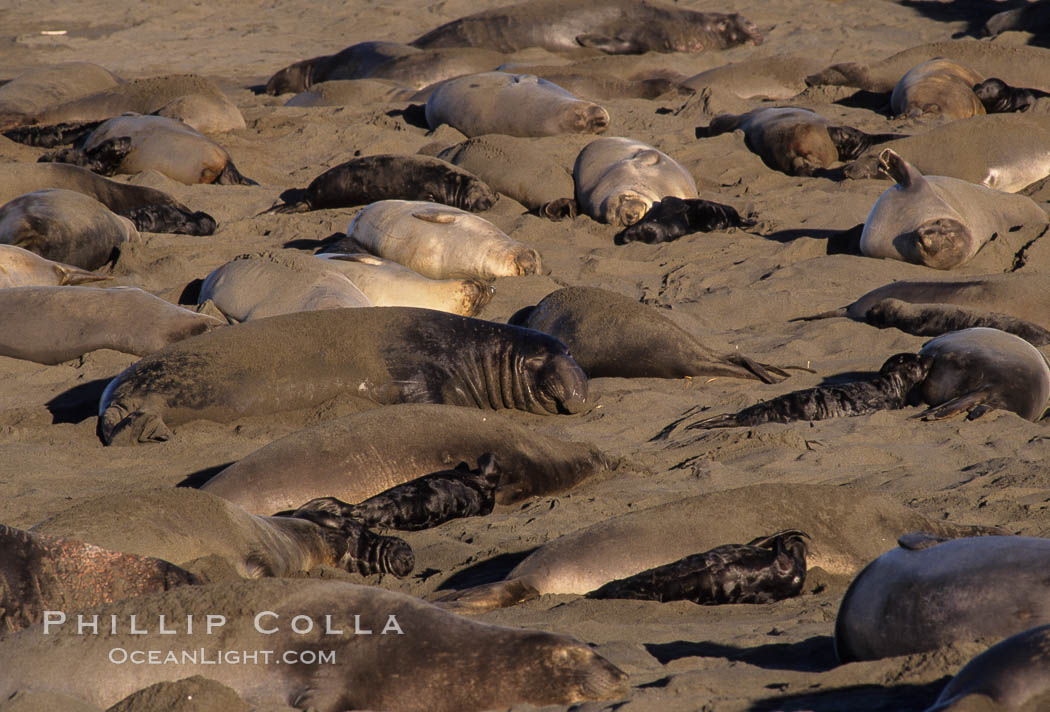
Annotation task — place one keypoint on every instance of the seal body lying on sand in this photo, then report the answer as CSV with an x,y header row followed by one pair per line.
x,y
359,456
31,92
383,354
445,663
22,268
998,97
779,77
939,221
671,218
619,27
619,179
512,104
940,87
956,590
65,226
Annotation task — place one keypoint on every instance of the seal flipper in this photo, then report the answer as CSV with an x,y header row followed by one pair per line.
x,y
841,311
762,371
231,176
559,209
487,597
917,541
851,142
609,45
70,275
974,403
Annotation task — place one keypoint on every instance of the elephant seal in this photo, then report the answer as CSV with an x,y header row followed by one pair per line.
x,y
938,87
55,324
952,587
998,97
259,285
1013,673
671,218
585,560
768,568
22,268
939,221
42,573
361,455
612,335
780,77
440,242
619,179
383,354
492,666
31,92
388,284
617,27
65,226
150,210
1031,17
388,176
158,143
352,92
512,104
593,84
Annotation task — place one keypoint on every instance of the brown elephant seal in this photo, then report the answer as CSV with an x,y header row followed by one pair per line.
x,y
612,335
41,573
22,268
352,92
31,92
388,176
591,83
56,324
445,663
939,221
383,354
1014,674
440,242
939,87
777,78
956,590
259,285
618,180
512,104
618,27
1033,17
150,210
585,560
998,97
65,226
388,284
359,456
671,218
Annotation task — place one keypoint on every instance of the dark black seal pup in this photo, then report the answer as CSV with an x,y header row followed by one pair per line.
x,y
998,97
673,217
392,177
354,548
765,569
424,502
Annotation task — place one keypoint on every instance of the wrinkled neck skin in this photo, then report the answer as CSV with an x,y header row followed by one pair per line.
x,y
288,546
904,372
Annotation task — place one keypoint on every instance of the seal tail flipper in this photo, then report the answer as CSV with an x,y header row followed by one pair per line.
x,y
851,142
231,176
116,428
972,403
285,208
917,541
488,596
559,209
769,542
70,275
727,420
762,371
666,432
841,311
51,136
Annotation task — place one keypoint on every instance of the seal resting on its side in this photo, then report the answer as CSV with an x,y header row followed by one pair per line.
x,y
998,97
22,268
671,218
939,87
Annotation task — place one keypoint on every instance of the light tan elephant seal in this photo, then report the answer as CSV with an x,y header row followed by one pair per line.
x,y
22,268
31,92
938,87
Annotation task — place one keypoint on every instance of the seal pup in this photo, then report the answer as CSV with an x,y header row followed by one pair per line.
x,y
388,284
612,335
492,666
41,87
939,221
65,226
22,268
440,242
512,104
55,324
42,573
618,27
618,180
382,354
671,218
766,569
953,588
998,97
258,285
359,456
938,87
388,176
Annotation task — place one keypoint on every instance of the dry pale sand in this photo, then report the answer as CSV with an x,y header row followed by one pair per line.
x,y
739,288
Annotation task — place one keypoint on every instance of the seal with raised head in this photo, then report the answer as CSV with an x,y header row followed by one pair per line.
x,y
612,335
671,218
382,354
388,176
512,104
22,268
939,87
359,456
616,27
440,242
618,180
445,663
939,221
953,587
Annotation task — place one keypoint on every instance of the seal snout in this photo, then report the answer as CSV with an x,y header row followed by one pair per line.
x,y
630,209
604,681
941,243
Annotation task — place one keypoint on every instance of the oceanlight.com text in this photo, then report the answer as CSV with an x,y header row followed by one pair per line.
x,y
203,656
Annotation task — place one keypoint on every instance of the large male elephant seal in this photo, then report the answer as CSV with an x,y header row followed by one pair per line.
x,y
56,324
22,268
617,27
939,87
383,354
609,334
618,180
440,242
65,226
955,590
587,559
939,221
358,456
444,663
31,92
512,104
388,176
